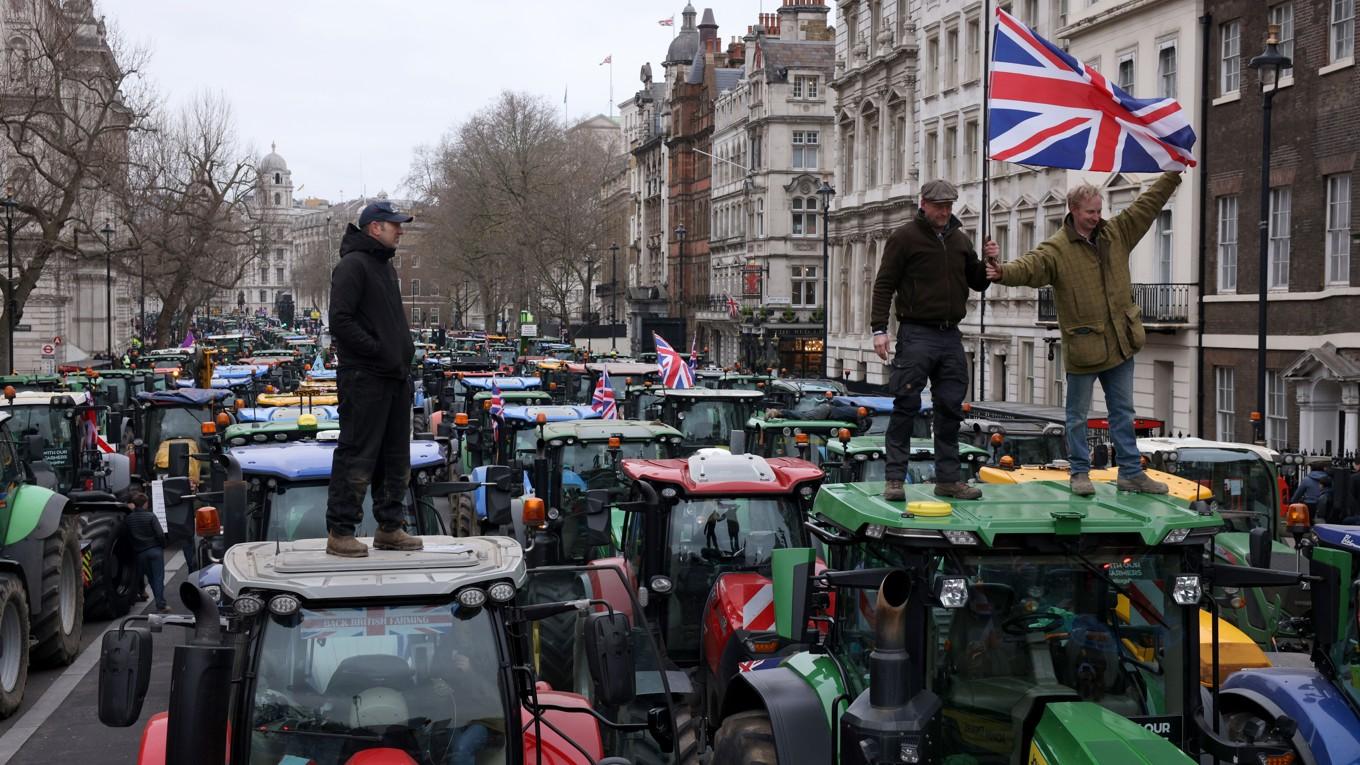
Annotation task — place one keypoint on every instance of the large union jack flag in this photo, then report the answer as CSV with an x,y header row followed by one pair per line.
x,y
603,400
675,373
1048,109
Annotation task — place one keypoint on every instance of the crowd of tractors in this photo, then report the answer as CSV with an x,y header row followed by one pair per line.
x,y
711,577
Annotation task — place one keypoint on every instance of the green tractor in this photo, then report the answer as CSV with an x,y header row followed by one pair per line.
x,y
708,417
1031,626
793,436
862,459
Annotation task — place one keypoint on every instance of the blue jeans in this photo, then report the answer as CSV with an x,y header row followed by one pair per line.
x,y
151,564
1117,382
466,742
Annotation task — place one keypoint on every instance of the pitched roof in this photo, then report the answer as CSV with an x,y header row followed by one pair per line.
x,y
780,56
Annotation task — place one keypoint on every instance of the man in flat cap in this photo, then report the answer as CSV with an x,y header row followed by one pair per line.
x,y
928,266
373,340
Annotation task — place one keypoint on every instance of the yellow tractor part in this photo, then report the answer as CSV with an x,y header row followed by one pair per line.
x,y
1235,650
163,456
293,399
1181,488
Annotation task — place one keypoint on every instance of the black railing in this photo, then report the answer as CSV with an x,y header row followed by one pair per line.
x,y
710,303
1161,303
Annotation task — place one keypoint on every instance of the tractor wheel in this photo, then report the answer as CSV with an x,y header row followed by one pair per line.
x,y
745,738
13,643
115,580
420,423
465,523
556,640
56,630
686,735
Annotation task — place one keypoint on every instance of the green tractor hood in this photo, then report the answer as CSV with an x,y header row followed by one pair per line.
x,y
1085,733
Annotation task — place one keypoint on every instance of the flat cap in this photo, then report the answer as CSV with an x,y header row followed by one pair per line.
x,y
939,190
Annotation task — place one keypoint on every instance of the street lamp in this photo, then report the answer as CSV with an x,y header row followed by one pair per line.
x,y
826,192
107,231
613,295
590,269
141,305
1267,65
680,236
10,307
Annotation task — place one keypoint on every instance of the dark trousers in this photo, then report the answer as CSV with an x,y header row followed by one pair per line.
x,y
374,449
151,564
934,355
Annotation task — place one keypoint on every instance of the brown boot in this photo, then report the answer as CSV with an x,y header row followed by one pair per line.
x,y
1142,483
957,491
345,546
1081,485
396,539
893,491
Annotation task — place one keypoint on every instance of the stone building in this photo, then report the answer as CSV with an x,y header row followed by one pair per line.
x,y
644,297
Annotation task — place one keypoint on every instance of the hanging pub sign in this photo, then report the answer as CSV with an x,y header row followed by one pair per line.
x,y
750,279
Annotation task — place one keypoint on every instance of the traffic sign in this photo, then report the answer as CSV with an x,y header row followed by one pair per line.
x,y
528,330
57,341
49,350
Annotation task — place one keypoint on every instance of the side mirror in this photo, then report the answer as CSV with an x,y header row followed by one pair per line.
x,y
124,675
498,497
791,570
736,442
235,508
33,447
609,649
115,427
179,459
1329,595
444,430
1258,552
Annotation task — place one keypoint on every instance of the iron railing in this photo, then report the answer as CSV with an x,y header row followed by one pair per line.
x,y
1161,303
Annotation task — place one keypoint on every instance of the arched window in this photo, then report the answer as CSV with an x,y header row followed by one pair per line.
x,y
805,216
278,198
278,178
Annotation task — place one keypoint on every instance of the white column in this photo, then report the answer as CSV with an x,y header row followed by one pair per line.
x,y
1350,408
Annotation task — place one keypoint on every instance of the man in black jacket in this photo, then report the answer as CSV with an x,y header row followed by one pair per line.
x,y
928,267
373,341
147,540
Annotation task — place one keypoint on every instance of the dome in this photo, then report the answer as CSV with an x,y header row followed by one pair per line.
x,y
686,43
272,161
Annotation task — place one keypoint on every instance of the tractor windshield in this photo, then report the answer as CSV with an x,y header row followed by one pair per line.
x,y
710,422
49,422
589,459
1245,491
1033,449
164,423
1100,628
420,678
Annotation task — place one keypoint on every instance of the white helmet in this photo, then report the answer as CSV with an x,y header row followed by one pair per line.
x,y
379,707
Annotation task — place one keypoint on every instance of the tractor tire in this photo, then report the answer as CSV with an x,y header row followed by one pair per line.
x,y
556,640
464,522
115,580
57,627
13,643
745,738
686,735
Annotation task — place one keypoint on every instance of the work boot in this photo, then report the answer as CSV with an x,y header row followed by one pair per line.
x,y
1082,486
396,539
345,546
957,490
1142,483
893,491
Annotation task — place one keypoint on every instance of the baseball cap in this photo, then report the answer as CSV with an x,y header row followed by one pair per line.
x,y
383,210
939,190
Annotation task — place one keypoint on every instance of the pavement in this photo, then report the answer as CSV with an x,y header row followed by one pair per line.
x,y
59,719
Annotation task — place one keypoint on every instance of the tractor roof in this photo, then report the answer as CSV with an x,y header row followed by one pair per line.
x,y
30,380
538,396
806,386
505,383
1168,444
1012,427
47,398
877,404
277,430
827,428
616,368
273,413
308,460
553,412
729,394
718,472
190,397
601,430
303,568
877,444
1045,508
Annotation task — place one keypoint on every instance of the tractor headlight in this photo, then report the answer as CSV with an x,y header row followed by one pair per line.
x,y
213,591
960,537
660,584
284,605
248,605
909,752
951,591
1175,536
471,597
669,492
501,592
1187,590
806,491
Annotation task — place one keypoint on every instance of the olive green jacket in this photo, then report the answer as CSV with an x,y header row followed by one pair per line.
x,y
1100,323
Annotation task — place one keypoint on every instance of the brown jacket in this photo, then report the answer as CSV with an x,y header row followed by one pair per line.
x,y
1101,325
928,273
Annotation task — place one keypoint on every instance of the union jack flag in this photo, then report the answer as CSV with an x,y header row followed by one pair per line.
x,y
693,353
603,400
757,664
496,410
675,373
376,621
1048,109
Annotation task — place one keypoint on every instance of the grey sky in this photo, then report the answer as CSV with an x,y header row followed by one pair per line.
x,y
347,89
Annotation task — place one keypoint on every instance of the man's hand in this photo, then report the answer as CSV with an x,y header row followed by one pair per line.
x,y
993,271
881,346
990,250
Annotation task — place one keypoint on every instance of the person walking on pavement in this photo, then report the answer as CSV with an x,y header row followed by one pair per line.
x,y
1087,264
928,267
1314,487
373,341
147,540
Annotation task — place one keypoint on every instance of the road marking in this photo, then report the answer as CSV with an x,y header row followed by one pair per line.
x,y
23,729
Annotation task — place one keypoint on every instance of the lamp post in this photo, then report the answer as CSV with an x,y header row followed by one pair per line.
x,y
826,192
1267,65
613,295
590,270
9,204
141,304
107,231
680,236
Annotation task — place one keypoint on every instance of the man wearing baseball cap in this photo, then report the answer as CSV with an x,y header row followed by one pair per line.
x,y
928,267
373,341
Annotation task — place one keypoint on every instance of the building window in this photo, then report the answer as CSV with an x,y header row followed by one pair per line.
x,y
971,143
1223,403
1164,247
930,78
1277,416
1057,376
805,216
264,276
951,152
433,316
871,149
1054,224
1343,30
929,153
1283,15
1339,229
804,285
1126,71
1003,235
951,60
1227,244
1279,238
278,275
848,172
264,296
760,217
1166,70
415,286
1026,371
899,146
804,86
1230,58
278,198
1026,242
973,41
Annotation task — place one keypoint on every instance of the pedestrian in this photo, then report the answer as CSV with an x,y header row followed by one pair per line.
x,y
373,342
1087,264
147,541
1313,488
928,267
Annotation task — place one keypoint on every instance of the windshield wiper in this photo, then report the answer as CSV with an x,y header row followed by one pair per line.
x,y
1121,589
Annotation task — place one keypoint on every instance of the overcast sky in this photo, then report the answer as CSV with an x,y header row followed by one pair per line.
x,y
348,89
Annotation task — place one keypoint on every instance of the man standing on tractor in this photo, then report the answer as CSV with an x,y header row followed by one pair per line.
x,y
928,265
1087,264
373,341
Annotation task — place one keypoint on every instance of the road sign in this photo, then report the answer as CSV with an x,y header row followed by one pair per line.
x,y
23,327
49,350
528,330
57,341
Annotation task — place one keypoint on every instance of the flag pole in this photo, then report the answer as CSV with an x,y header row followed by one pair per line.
x,y
611,87
984,233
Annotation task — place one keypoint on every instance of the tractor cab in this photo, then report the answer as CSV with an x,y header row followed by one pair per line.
x,y
743,381
67,433
797,395
479,439
1026,442
518,445
864,459
174,416
473,386
707,417
793,436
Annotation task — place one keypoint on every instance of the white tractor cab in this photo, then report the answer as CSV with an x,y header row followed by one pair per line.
x,y
67,438
1026,442
428,656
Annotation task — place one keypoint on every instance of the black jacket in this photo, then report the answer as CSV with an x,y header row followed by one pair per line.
x,y
368,321
143,530
929,273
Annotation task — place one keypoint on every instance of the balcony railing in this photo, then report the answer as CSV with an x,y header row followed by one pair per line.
x,y
1167,304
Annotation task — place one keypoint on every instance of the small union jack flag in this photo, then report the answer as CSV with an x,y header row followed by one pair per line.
x,y
758,664
693,353
497,410
1048,109
675,373
603,400
667,22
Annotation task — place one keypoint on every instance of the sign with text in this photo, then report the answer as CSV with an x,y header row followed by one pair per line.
x,y
528,330
751,274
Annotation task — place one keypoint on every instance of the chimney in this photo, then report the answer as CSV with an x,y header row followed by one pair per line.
x,y
804,19
736,53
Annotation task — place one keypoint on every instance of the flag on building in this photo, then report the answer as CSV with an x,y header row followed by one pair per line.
x,y
603,400
1045,108
667,22
608,60
733,308
496,410
675,373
